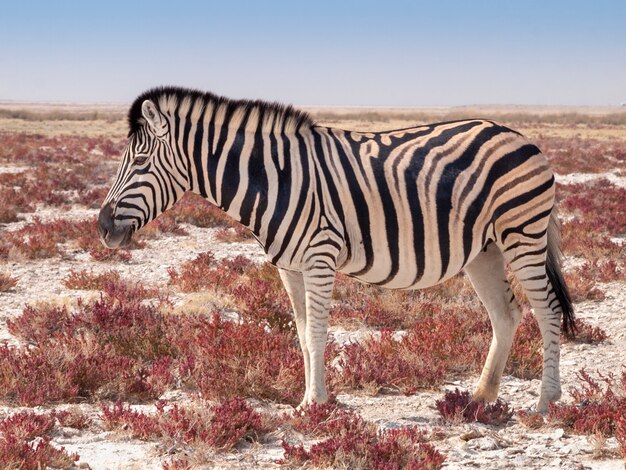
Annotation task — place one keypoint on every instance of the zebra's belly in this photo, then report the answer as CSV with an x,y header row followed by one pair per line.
x,y
405,269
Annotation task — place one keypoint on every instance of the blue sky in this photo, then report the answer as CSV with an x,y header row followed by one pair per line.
x,y
387,53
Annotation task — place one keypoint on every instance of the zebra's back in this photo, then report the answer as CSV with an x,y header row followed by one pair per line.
x,y
417,205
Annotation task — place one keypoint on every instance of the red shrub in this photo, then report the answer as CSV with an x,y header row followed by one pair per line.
x,y
577,154
73,418
177,464
596,409
583,288
448,340
256,290
620,434
138,424
204,272
159,226
353,442
88,280
239,233
101,253
27,425
458,406
195,210
222,427
16,449
43,239
232,420
372,311
61,169
531,420
526,358
7,282
259,300
107,348
328,419
225,359
33,456
13,203
585,333
120,347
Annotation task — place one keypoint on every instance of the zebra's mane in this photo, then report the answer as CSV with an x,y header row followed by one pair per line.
x,y
183,100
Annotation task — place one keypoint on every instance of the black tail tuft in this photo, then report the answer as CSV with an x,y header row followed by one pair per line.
x,y
553,268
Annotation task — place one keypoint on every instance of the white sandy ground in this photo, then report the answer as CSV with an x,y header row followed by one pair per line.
x,y
465,445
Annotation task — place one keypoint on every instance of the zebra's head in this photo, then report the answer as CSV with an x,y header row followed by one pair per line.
x,y
150,178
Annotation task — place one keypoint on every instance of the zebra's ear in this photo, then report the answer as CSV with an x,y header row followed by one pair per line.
x,y
154,118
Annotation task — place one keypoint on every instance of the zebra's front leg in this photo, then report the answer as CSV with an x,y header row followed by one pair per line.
x,y
318,284
486,272
294,285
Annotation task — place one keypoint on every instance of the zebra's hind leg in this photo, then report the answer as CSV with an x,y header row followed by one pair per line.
x,y
537,265
486,272
530,270
294,285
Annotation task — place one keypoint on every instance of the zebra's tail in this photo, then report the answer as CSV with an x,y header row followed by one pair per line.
x,y
553,268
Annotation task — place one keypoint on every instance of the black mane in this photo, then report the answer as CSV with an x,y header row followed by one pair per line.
x,y
135,118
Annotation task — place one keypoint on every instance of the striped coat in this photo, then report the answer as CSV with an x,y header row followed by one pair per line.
x,y
406,208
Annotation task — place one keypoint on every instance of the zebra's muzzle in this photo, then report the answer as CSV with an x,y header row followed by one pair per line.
x,y
112,235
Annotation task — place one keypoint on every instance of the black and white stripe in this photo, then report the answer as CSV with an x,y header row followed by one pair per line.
x,y
406,208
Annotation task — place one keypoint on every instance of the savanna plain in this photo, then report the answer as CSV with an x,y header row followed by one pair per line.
x,y
181,352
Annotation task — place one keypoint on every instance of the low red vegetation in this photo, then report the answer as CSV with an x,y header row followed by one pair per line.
x,y
226,359
27,425
73,418
33,149
196,210
526,357
599,408
256,290
89,280
530,419
583,280
13,203
25,443
577,154
7,282
581,288
360,304
444,340
235,234
177,464
598,213
457,406
351,442
205,273
46,239
159,226
121,347
222,426
106,349
62,170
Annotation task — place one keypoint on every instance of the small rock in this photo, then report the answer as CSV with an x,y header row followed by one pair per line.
x,y
485,443
514,451
536,450
557,434
471,434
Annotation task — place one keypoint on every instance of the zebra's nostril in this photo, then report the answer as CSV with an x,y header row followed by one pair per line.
x,y
105,220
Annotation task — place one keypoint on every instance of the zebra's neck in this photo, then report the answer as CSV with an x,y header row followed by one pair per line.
x,y
242,160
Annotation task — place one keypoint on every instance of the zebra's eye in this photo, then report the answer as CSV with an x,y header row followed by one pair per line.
x,y
140,159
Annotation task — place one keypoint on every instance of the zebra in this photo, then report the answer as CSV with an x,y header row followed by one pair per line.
x,y
401,209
